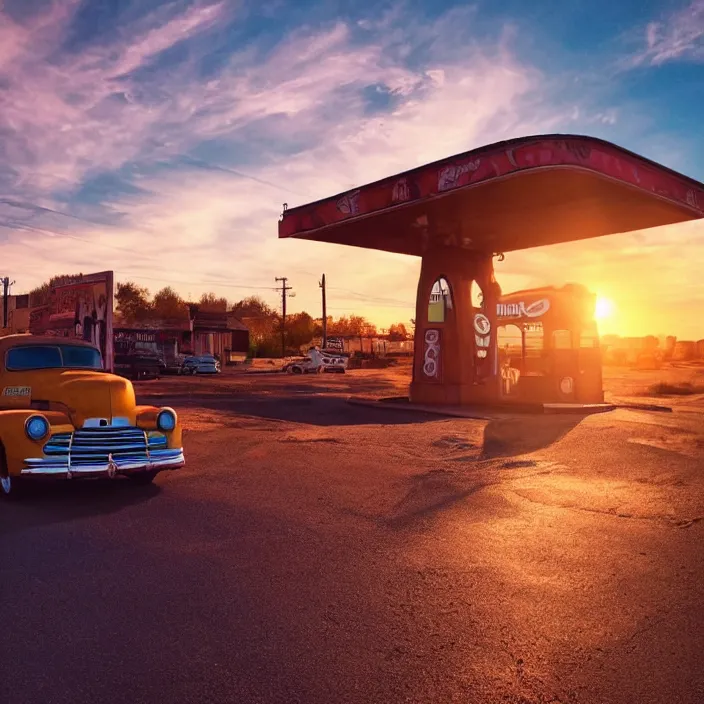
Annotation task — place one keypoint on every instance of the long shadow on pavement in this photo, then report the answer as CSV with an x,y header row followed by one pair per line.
x,y
311,410
524,434
47,502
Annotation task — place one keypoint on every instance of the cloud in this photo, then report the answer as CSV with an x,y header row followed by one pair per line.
x,y
65,116
199,162
679,37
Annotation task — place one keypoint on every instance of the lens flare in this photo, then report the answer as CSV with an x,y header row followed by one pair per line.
x,y
604,308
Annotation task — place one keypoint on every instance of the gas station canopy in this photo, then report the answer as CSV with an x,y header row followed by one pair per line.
x,y
511,195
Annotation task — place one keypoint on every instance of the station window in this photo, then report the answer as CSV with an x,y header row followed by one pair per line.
x,y
562,340
589,338
533,350
510,343
509,340
440,301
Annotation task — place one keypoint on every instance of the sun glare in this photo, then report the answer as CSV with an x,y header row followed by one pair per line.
x,y
604,308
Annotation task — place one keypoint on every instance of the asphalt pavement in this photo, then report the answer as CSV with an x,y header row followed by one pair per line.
x,y
314,551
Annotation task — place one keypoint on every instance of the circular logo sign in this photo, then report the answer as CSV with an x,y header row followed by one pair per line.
x,y
567,385
482,324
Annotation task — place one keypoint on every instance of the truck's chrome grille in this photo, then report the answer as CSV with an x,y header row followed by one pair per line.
x,y
104,451
97,445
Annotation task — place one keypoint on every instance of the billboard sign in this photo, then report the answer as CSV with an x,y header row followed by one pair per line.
x,y
77,307
334,344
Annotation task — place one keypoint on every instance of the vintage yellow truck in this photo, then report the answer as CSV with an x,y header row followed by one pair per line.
x,y
63,416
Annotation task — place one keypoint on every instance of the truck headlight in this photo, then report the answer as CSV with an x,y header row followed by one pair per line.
x,y
166,420
36,427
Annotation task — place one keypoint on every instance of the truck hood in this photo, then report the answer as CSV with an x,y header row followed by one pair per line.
x,y
87,394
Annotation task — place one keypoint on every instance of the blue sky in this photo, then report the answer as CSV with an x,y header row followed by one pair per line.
x,y
160,139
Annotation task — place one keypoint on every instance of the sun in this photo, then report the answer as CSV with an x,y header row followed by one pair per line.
x,y
604,308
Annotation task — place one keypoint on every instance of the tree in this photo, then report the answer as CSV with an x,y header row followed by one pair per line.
x,y
339,327
262,322
398,332
211,303
168,304
361,326
253,307
40,294
300,330
132,301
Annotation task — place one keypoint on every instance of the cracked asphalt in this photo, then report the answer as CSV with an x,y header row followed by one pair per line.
x,y
315,551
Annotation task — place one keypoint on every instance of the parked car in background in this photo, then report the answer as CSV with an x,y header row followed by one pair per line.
x,y
316,362
202,364
63,416
334,363
139,365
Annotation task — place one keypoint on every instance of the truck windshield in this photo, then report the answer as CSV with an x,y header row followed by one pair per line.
x,y
52,357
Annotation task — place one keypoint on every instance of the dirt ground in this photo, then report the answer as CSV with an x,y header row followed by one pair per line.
x,y
316,551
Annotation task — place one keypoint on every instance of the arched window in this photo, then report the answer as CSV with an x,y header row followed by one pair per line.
x,y
477,296
440,301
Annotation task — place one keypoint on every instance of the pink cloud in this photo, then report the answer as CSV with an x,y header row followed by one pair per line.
x,y
679,37
75,115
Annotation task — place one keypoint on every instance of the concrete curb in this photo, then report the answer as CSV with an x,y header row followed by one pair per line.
x,y
585,409
644,407
392,406
485,413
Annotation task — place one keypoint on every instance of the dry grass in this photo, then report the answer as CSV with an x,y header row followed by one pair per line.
x,y
664,388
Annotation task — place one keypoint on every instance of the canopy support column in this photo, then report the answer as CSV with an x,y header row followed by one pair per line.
x,y
455,344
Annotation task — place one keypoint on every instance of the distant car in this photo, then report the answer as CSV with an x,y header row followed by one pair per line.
x,y
138,366
317,362
203,364
302,366
334,364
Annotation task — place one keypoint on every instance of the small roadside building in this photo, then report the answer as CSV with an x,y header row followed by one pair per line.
x,y
218,333
221,334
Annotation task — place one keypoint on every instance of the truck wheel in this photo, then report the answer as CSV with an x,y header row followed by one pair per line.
x,y
9,486
296,370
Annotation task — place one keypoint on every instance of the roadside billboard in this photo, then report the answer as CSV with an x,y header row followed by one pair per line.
x,y
78,307
335,344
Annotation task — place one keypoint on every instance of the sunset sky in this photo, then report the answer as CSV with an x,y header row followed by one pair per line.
x,y
160,139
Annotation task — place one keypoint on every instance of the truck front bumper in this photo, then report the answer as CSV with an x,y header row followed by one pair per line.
x,y
157,460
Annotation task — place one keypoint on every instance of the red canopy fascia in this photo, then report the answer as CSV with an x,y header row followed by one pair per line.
x,y
519,193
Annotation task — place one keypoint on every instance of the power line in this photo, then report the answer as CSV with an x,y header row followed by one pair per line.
x,y
203,164
37,209
203,283
355,295
335,308
54,233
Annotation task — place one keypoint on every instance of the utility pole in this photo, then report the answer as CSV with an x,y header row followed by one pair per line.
x,y
325,314
6,283
284,293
